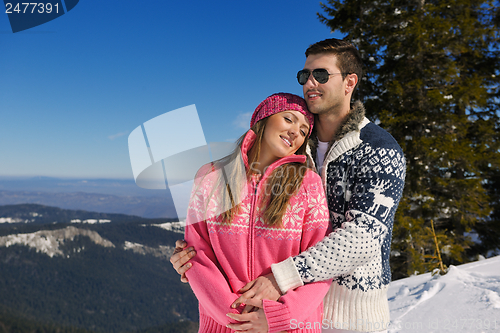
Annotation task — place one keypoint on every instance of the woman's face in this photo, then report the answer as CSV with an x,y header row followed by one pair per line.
x,y
284,134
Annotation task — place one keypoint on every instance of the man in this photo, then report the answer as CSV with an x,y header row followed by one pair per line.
x,y
363,171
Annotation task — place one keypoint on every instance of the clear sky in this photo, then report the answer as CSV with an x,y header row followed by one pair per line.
x,y
73,89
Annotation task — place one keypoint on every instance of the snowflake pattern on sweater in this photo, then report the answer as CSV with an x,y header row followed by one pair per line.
x,y
364,184
363,174
229,255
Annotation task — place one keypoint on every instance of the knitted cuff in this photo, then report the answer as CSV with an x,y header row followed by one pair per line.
x,y
277,315
286,275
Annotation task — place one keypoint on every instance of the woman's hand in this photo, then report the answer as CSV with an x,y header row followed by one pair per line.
x,y
180,258
253,322
263,287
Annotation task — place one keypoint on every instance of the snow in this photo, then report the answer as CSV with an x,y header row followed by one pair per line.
x,y
18,220
48,241
132,246
177,227
90,221
466,299
161,251
10,220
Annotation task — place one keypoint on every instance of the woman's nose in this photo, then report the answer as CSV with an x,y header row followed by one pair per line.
x,y
293,130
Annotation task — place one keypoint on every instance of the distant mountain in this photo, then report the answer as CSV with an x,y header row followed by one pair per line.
x,y
120,196
109,274
40,214
120,187
149,207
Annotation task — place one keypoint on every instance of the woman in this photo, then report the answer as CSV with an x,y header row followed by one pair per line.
x,y
257,207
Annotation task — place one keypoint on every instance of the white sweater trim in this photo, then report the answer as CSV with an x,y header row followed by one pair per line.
x,y
286,275
356,310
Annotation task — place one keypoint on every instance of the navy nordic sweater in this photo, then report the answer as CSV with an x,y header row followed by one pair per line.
x,y
363,174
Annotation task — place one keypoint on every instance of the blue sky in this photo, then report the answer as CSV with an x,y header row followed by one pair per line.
x,y
73,89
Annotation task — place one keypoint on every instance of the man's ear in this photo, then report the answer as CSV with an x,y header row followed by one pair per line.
x,y
351,81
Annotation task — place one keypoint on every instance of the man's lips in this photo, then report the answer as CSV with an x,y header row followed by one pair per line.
x,y
311,95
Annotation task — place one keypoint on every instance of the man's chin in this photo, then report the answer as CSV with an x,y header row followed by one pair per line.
x,y
315,108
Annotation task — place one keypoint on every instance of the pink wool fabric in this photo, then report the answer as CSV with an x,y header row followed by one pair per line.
x,y
231,255
281,102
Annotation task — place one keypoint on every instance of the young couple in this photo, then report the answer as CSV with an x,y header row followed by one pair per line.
x,y
291,259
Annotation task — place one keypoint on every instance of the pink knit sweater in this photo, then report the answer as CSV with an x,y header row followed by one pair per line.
x,y
229,256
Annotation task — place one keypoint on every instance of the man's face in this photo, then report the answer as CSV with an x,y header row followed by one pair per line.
x,y
328,97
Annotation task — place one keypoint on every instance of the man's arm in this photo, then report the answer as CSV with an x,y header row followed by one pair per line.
x,y
341,252
180,258
295,271
362,215
364,226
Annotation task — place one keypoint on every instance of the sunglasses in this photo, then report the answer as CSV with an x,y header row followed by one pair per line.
x,y
320,74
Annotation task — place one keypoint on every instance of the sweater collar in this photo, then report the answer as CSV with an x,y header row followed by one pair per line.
x,y
247,144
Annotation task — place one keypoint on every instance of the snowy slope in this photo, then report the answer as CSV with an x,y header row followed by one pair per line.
x,y
466,299
49,241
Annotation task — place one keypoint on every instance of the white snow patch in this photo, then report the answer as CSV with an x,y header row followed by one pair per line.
x,y
131,246
161,251
492,298
10,220
91,221
177,227
48,241
466,299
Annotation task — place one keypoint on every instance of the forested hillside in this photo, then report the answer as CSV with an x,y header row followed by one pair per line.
x,y
111,276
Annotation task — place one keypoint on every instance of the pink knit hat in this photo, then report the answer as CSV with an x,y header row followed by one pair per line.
x,y
281,102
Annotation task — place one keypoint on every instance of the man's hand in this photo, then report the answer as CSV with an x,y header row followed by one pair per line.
x,y
181,257
253,322
263,287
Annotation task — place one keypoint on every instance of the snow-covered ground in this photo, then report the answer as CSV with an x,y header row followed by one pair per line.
x,y
466,299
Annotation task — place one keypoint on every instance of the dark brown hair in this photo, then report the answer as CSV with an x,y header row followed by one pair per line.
x,y
348,58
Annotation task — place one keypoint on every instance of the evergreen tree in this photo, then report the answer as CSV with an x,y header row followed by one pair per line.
x,y
432,80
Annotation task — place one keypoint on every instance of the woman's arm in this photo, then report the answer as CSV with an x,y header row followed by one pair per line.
x,y
206,277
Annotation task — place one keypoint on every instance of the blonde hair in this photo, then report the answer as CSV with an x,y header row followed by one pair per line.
x,y
283,182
